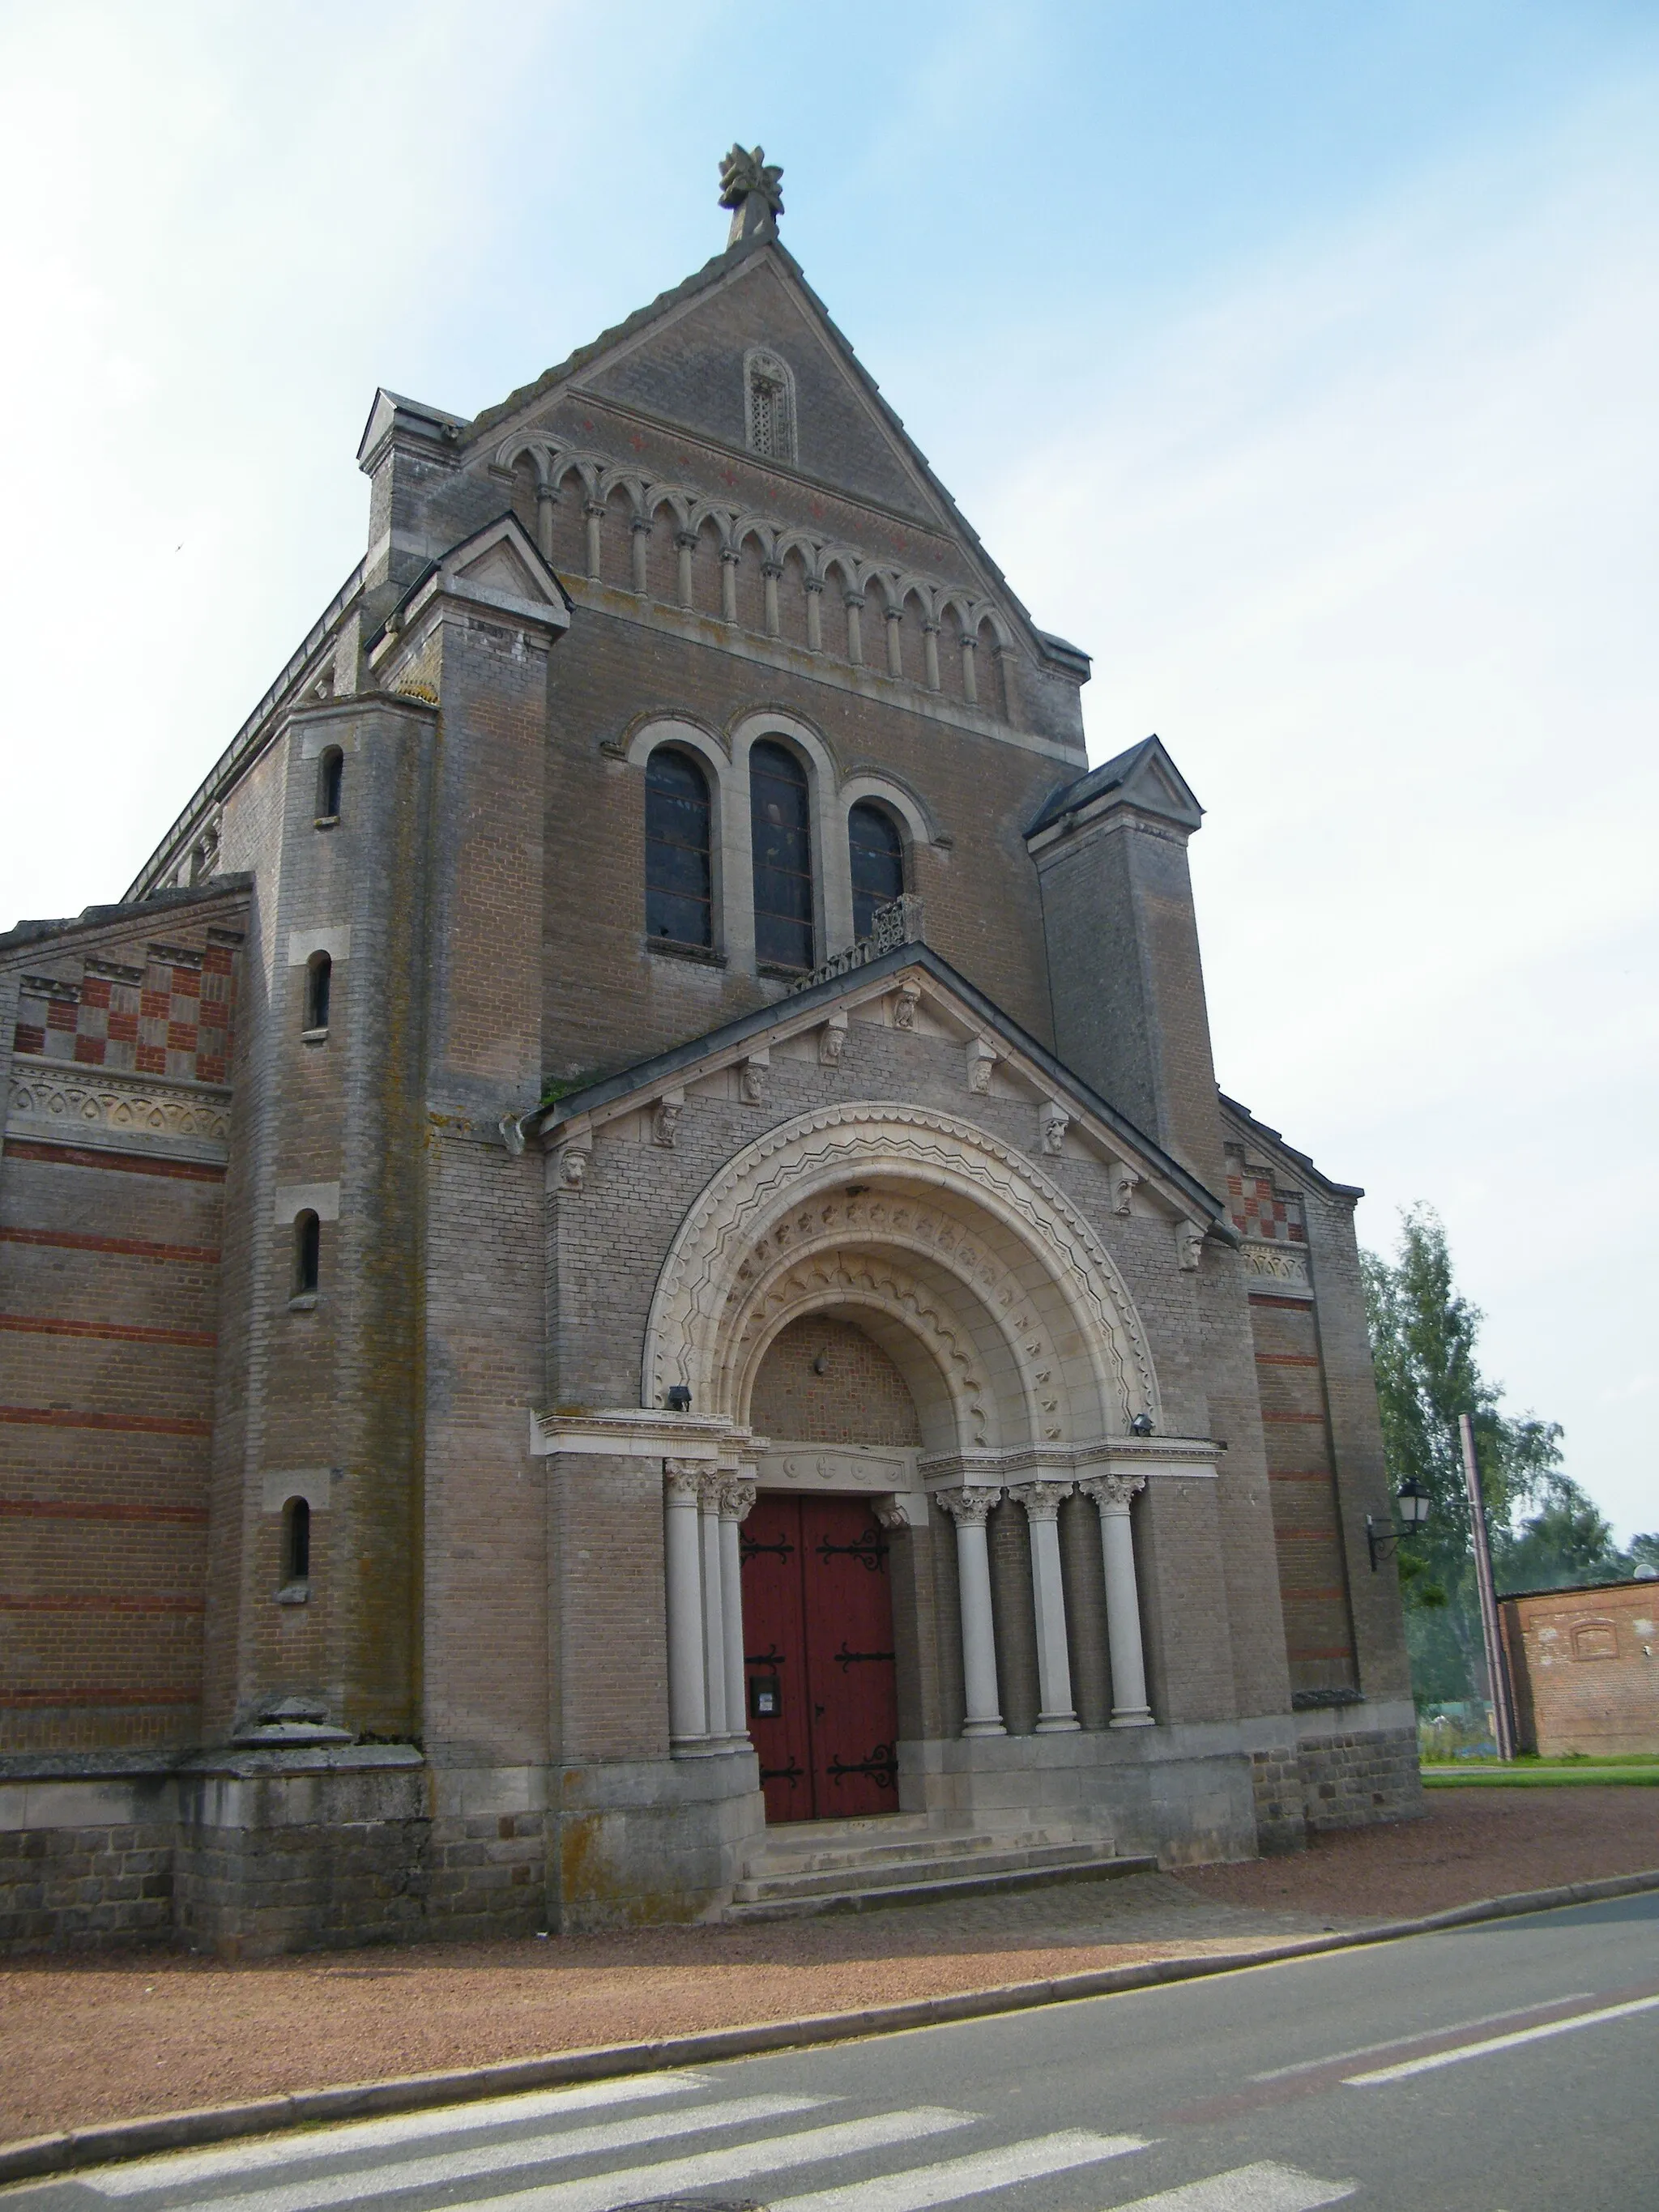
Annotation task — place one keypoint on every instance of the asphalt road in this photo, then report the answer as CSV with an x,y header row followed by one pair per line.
x,y
1512,2067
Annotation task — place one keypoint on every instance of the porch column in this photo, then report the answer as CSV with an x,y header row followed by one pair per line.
x,y
713,1603
688,1713
969,1509
736,1498
1112,1494
1042,1501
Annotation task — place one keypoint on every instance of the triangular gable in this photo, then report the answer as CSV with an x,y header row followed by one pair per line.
x,y
1145,777
757,284
499,569
964,1011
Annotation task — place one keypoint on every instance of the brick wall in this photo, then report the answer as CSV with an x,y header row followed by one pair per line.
x,y
1585,1667
861,1397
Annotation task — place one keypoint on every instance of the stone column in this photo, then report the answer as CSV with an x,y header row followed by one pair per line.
x,y
771,571
895,641
1112,1494
930,648
594,511
1042,1501
855,628
969,675
642,531
546,500
729,559
815,614
685,544
736,1498
688,1711
969,1509
714,1604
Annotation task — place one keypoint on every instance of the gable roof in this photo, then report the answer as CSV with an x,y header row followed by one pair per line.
x,y
805,1009
1145,776
743,256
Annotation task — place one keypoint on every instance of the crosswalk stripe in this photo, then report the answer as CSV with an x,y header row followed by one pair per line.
x,y
604,2192
1261,2188
943,2184
287,2151
543,2148
1410,2066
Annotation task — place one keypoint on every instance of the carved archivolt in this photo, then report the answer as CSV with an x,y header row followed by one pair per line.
x,y
1030,1267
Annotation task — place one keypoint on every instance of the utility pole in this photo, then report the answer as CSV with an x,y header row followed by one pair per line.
x,y
1503,1717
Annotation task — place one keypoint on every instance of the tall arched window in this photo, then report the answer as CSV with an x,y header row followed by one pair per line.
x,y
319,989
770,423
330,781
679,883
878,853
780,811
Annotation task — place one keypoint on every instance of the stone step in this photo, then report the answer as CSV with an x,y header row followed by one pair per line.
x,y
778,1858
1013,1855
940,1890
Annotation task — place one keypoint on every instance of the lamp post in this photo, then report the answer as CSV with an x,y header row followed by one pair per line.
x,y
1414,1504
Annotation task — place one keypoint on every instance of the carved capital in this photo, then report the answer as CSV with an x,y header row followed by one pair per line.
x,y
665,1121
682,1480
1053,1123
968,1508
1041,1500
1112,1493
711,1483
891,1514
980,1061
735,1499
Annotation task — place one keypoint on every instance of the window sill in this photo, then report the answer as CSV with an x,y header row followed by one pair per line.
x,y
314,1036
327,822
672,950
294,1594
303,1301
781,968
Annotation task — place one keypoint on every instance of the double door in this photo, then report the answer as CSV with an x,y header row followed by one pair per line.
x,y
817,1634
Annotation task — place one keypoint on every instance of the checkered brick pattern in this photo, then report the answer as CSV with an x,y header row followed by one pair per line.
x,y
170,1018
1259,1211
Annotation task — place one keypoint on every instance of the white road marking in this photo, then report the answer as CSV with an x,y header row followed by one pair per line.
x,y
1410,2066
385,2176
180,2168
1394,2042
921,2185
1262,2188
602,2192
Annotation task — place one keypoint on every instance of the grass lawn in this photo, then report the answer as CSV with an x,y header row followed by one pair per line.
x,y
1531,1773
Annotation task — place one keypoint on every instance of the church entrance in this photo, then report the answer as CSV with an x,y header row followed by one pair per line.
x,y
817,1622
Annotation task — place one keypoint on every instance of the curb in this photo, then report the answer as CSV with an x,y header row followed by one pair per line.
x,y
64,2153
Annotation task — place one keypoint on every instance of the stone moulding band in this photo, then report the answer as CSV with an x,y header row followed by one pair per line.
x,y
185,1120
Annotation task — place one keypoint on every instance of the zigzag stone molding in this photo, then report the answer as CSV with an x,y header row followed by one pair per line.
x,y
187,1122
740,1222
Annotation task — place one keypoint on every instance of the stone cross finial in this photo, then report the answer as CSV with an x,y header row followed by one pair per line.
x,y
751,188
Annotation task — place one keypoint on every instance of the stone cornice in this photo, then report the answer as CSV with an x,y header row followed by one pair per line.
x,y
111,1109
642,1432
1098,1455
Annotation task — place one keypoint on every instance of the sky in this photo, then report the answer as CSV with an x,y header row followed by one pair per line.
x,y
1298,361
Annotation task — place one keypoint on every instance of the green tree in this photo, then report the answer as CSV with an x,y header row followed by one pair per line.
x,y
1424,1335
1565,1543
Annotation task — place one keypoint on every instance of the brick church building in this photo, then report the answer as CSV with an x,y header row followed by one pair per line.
x,y
625,1292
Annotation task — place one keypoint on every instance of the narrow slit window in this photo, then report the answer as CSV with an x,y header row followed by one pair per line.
x,y
771,412
307,1255
779,813
331,780
319,989
296,1541
678,876
878,853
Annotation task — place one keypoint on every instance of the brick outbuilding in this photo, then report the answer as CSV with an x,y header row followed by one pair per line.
x,y
1583,1667
628,1243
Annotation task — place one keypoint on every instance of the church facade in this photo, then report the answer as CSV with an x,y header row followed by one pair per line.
x,y
625,1292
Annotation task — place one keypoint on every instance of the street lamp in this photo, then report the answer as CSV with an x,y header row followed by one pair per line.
x,y
1414,1504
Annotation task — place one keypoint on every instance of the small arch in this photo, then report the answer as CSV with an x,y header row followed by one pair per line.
x,y
331,782
319,991
679,888
768,411
780,818
876,846
307,1255
296,1541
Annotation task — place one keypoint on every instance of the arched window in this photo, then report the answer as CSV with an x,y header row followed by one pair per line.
x,y
780,813
320,986
678,884
769,409
307,1255
331,777
296,1541
878,853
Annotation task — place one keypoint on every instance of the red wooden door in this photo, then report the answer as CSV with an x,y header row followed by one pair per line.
x,y
818,1618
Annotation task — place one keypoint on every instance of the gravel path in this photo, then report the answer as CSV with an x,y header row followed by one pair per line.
x,y
113,2037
